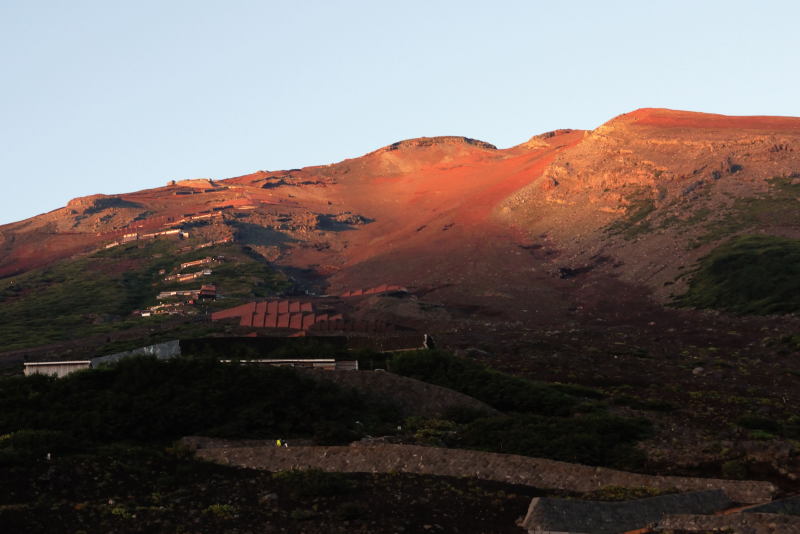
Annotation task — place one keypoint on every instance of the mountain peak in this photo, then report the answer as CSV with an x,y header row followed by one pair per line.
x,y
671,118
426,142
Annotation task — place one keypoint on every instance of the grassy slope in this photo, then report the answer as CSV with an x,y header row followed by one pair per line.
x,y
148,401
97,293
543,420
748,275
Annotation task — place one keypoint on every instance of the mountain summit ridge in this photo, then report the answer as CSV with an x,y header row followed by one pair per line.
x,y
650,171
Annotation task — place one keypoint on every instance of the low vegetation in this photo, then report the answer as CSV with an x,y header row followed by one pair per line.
x,y
543,420
144,400
505,392
96,294
635,222
132,489
775,207
748,275
99,443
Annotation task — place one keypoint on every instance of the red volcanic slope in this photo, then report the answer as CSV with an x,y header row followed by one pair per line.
x,y
425,198
667,118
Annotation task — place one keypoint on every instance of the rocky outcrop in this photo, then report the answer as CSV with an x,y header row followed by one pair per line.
x,y
97,203
196,183
424,142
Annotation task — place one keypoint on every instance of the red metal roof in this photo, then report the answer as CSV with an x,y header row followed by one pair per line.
x,y
274,314
238,311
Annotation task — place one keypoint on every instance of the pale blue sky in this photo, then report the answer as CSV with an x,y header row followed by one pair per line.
x,y
109,96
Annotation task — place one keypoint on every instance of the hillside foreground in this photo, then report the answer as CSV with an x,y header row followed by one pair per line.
x,y
651,261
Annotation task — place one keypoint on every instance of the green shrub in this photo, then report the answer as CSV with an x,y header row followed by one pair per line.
x,y
735,469
147,400
92,294
775,207
748,275
463,414
222,511
757,422
302,514
501,391
431,431
658,405
596,439
761,434
633,223
350,510
39,442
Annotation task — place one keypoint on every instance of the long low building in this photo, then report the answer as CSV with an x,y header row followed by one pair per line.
x,y
57,369
328,364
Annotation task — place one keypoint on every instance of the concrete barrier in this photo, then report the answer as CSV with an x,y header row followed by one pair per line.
x,y
547,515
790,506
741,523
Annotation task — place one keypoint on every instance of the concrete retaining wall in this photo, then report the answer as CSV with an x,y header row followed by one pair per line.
x,y
535,472
546,515
162,351
741,523
790,506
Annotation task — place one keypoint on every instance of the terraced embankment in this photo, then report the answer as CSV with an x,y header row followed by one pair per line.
x,y
512,469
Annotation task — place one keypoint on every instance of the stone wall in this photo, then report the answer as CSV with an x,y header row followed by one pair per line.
x,y
535,472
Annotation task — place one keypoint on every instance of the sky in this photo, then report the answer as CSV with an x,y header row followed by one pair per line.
x,y
111,96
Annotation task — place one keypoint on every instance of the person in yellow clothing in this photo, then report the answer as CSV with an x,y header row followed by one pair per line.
x,y
277,443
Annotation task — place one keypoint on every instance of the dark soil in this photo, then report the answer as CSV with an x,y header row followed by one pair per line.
x,y
136,490
699,376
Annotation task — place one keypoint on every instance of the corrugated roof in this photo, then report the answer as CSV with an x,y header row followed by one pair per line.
x,y
283,321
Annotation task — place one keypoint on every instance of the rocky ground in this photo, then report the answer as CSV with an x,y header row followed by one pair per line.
x,y
142,491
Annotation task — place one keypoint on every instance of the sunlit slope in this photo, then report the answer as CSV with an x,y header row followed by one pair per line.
x,y
638,200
